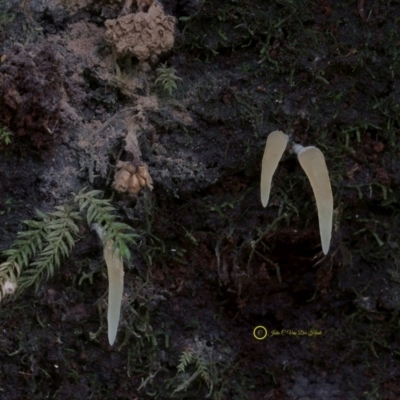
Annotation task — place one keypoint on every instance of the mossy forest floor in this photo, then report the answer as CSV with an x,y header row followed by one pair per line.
x,y
211,264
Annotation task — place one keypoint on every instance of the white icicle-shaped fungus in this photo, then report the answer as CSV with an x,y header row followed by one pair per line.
x,y
115,271
313,163
274,148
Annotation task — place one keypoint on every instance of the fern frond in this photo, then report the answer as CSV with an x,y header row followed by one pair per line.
x,y
166,77
202,367
28,243
184,360
100,211
57,239
184,386
51,237
201,363
24,248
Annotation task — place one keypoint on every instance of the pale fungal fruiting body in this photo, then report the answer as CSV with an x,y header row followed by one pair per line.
x,y
274,148
8,284
115,271
9,287
313,163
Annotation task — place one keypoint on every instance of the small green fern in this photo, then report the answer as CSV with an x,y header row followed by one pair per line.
x,y
203,358
60,233
166,78
202,366
5,135
26,246
184,360
50,238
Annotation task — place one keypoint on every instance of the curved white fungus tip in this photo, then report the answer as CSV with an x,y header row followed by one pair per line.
x,y
313,163
9,287
274,148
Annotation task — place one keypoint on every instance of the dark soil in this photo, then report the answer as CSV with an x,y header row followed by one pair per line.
x,y
211,264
